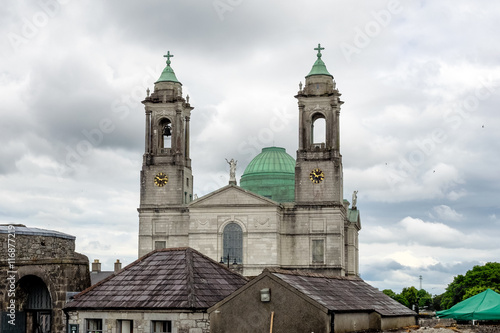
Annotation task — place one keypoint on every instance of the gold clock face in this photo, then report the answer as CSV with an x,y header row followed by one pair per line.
x,y
161,179
316,176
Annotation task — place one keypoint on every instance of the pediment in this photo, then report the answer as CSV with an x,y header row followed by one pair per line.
x,y
232,195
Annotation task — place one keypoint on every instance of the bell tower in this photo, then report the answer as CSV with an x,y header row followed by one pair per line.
x,y
166,176
316,233
318,172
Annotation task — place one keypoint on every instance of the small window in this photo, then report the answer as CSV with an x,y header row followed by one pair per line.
x,y
124,326
161,327
160,245
187,182
94,326
318,251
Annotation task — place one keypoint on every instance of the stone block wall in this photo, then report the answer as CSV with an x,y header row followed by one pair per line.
x,y
182,322
47,255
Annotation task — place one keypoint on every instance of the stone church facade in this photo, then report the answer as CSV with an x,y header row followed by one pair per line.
x,y
312,229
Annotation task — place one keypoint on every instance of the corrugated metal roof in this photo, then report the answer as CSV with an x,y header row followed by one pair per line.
x,y
343,294
180,278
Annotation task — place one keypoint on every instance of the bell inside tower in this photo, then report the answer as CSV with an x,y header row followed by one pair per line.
x,y
165,134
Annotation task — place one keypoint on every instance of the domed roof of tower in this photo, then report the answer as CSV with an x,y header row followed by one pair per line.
x,y
271,174
319,67
168,74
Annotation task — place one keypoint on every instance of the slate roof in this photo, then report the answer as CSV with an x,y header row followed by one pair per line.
x,y
179,278
343,294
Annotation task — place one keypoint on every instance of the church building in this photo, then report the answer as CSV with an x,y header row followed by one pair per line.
x,y
287,213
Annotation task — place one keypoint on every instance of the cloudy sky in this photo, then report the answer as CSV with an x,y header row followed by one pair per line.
x,y
419,128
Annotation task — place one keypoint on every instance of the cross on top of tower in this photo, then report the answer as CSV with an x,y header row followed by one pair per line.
x,y
319,48
168,56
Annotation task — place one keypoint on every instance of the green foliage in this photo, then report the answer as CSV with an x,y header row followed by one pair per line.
x,y
476,280
389,293
410,297
476,290
400,298
424,299
436,302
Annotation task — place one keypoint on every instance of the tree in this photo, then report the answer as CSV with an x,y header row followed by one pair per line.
x,y
424,299
411,296
389,293
436,302
400,298
476,280
476,290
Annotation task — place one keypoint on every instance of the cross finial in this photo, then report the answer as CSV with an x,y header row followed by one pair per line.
x,y
168,56
319,48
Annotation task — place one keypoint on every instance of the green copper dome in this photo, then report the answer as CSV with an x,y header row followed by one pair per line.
x,y
168,74
319,67
271,174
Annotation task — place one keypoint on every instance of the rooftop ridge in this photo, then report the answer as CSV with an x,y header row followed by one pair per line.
x,y
189,269
298,272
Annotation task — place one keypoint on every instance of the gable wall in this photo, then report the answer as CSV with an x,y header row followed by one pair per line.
x,y
245,313
260,227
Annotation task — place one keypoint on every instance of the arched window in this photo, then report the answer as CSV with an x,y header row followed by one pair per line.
x,y
232,243
165,133
318,129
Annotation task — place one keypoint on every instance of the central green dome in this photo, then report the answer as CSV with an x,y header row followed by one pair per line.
x,y
271,174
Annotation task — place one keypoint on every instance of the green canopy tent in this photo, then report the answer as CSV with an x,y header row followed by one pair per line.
x,y
483,306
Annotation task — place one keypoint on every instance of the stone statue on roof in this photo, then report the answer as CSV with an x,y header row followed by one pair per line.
x,y
354,199
232,170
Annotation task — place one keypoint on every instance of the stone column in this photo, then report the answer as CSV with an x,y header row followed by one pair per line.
x,y
187,137
301,127
148,132
178,132
337,129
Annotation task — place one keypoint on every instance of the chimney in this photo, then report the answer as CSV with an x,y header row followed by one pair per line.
x,y
96,266
118,265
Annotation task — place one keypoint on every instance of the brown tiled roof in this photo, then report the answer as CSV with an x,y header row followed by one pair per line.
x,y
180,278
343,294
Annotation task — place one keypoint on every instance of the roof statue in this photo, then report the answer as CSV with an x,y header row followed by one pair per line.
x,y
354,199
232,171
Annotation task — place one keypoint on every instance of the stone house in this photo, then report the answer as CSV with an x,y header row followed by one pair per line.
x,y
288,301
167,290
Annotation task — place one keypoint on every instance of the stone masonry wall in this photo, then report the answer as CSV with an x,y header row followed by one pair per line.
x,y
182,322
48,256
